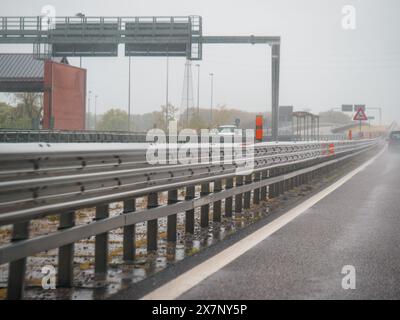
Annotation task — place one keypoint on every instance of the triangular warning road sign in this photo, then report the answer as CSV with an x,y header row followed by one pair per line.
x,y
360,115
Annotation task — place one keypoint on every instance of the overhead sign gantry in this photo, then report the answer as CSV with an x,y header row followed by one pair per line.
x,y
142,36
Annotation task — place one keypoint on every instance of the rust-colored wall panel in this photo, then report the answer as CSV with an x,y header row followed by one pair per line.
x,y
64,97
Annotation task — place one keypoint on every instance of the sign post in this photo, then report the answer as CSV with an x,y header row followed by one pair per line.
x,y
360,116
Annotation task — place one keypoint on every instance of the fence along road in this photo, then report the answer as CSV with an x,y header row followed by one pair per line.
x,y
41,180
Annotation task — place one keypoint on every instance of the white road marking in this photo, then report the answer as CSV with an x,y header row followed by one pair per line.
x,y
189,279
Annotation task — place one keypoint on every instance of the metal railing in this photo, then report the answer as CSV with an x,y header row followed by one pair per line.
x,y
60,136
41,180
87,136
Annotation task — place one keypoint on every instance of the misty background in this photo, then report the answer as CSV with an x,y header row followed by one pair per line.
x,y
322,65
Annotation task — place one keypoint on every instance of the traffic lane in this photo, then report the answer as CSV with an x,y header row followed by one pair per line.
x,y
357,224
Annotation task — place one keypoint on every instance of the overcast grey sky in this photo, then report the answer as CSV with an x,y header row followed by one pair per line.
x,y
322,65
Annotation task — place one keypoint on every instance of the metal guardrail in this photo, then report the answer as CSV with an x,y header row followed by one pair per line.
x,y
88,136
60,136
36,181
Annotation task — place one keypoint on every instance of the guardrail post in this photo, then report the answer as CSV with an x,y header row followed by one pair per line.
x,y
205,210
152,225
320,172
101,243
171,220
229,200
189,215
263,193
129,238
271,187
256,195
301,176
281,184
217,204
65,276
295,168
247,194
286,182
17,268
239,197
275,187
290,180
306,176
296,178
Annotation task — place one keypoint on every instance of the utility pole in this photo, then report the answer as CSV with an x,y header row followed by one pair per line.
x,y
380,116
211,99
198,90
187,93
95,111
129,95
167,97
88,122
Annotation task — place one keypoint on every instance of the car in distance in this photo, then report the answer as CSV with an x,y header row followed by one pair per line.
x,y
229,130
394,141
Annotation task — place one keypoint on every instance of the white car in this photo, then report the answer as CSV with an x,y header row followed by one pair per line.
x,y
229,130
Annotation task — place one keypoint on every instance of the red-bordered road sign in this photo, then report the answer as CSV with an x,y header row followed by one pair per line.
x,y
360,115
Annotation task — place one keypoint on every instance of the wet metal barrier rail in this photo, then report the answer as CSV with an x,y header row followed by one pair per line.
x,y
38,180
64,136
93,136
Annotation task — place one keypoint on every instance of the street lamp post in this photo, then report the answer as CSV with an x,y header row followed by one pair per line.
x,y
198,90
88,120
167,96
188,73
129,95
95,111
211,99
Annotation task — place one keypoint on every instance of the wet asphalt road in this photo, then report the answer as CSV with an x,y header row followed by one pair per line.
x,y
358,224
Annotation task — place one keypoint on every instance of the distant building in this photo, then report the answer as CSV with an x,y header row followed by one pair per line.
x,y
64,87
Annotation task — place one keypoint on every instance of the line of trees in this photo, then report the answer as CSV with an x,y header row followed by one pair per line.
x,y
117,120
26,112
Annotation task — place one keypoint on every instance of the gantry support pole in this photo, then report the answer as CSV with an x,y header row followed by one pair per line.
x,y
275,65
